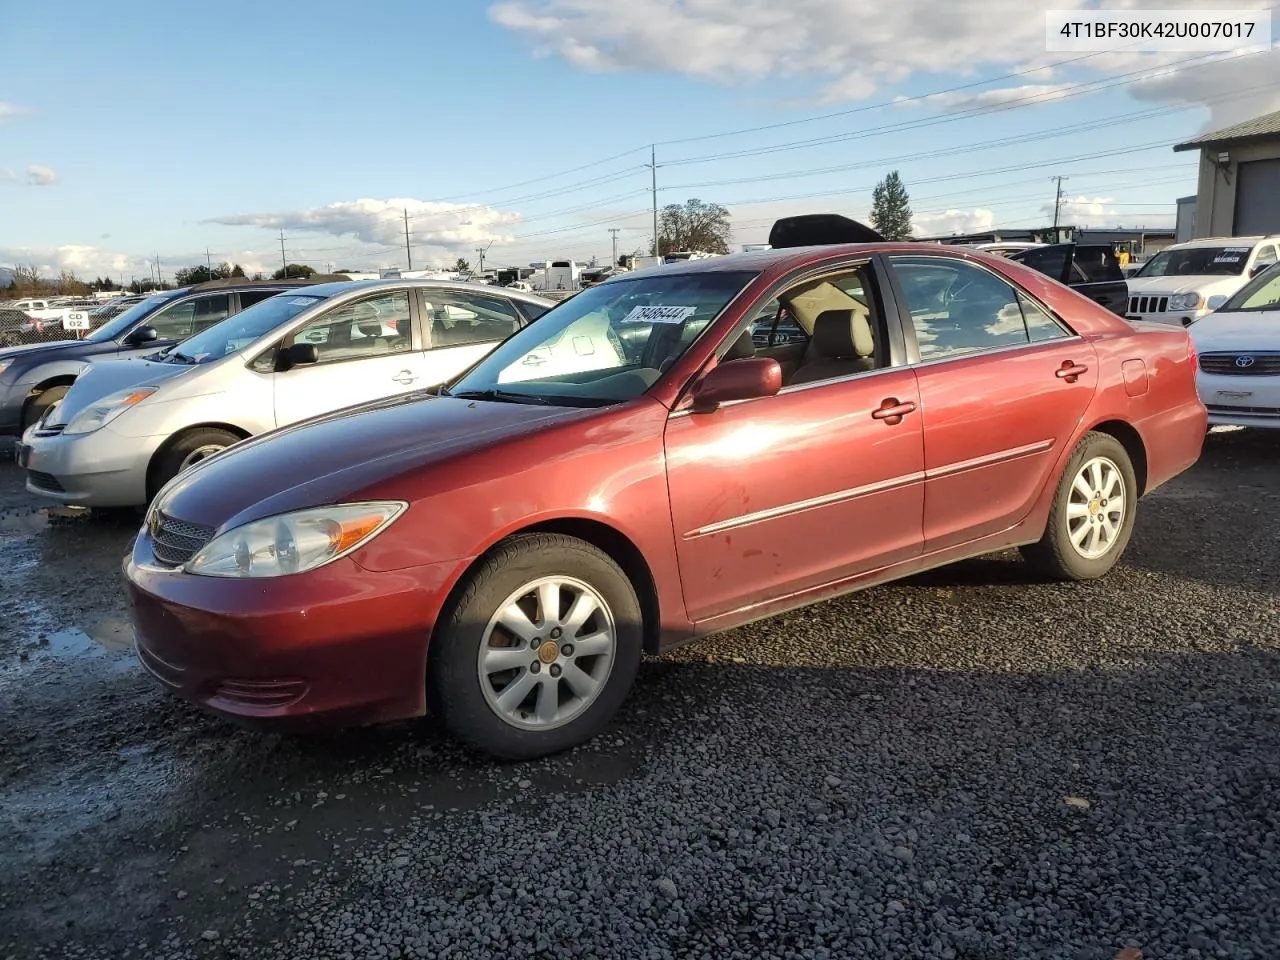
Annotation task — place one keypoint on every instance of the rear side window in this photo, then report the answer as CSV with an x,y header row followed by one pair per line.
x,y
958,308
1098,264
1051,261
249,297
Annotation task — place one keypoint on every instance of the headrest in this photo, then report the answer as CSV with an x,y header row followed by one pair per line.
x,y
842,335
743,348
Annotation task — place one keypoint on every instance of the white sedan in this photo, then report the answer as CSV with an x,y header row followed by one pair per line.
x,y
1239,351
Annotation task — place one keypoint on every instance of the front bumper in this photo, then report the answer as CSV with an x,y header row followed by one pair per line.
x,y
1240,401
338,646
1173,318
99,469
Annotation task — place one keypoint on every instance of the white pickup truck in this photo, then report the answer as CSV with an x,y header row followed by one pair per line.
x,y
46,312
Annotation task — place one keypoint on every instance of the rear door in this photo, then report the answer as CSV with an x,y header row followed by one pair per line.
x,y
367,348
460,327
1003,386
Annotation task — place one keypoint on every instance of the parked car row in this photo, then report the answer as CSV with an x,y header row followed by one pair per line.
x,y
370,499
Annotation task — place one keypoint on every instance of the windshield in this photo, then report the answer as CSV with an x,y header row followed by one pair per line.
x,y
1197,262
118,325
1260,293
607,344
236,333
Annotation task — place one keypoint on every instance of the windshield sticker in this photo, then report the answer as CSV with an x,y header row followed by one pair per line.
x,y
302,301
659,314
1228,258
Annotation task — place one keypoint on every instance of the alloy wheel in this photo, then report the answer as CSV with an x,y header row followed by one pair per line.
x,y
1096,508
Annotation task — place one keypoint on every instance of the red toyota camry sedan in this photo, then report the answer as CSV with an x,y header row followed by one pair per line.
x,y
667,454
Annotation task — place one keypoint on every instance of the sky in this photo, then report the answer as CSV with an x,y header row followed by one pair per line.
x,y
132,132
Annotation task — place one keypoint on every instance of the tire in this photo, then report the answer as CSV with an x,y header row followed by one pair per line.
x,y
35,407
1070,548
188,449
464,684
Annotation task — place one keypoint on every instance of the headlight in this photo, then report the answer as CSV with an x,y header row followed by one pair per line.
x,y
1186,301
107,409
293,542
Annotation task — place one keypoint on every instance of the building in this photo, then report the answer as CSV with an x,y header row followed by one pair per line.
x,y
1239,188
1186,222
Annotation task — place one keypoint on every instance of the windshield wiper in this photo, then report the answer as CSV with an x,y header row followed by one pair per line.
x,y
503,396
180,357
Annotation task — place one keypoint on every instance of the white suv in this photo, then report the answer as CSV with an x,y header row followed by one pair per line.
x,y
1182,283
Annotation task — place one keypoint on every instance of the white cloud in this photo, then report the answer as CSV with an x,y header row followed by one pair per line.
x,y
1027,94
84,261
8,110
435,228
41,176
952,221
849,49
7,175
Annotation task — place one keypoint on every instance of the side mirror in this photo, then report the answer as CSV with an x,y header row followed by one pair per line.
x,y
1257,269
297,355
141,335
1216,301
737,380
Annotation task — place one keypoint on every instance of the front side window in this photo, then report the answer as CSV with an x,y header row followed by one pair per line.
x,y
608,344
191,316
121,324
376,327
454,318
1227,261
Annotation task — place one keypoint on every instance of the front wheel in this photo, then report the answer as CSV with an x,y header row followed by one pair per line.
x,y
186,451
539,650
1093,512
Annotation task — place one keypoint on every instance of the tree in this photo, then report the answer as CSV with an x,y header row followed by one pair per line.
x,y
891,208
461,266
293,271
693,226
236,271
258,276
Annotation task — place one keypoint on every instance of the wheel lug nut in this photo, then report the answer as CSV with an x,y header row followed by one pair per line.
x,y
567,650
535,667
555,670
555,634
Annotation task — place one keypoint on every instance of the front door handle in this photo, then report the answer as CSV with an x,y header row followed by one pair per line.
x,y
1070,371
404,376
892,410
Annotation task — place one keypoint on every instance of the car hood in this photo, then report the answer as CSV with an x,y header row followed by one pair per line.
x,y
97,380
1207,284
9,352
1253,330
330,458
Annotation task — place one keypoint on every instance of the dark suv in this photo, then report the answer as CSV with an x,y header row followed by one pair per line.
x,y
35,376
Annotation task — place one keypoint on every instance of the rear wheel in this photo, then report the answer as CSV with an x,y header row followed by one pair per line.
x,y
188,450
36,406
1093,512
539,650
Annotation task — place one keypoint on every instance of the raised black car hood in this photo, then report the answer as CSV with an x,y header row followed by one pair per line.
x,y
816,229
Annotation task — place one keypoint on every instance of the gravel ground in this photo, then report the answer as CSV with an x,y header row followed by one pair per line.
x,y
966,765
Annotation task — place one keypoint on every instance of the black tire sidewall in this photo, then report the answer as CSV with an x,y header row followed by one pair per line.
x,y
1076,566
454,690
171,460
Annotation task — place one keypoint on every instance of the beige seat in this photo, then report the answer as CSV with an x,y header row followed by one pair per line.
x,y
842,345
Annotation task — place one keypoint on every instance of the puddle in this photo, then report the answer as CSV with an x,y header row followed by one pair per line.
x,y
108,641
34,521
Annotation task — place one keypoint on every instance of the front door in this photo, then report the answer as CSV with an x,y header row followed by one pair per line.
x,y
780,494
460,327
366,351
1003,386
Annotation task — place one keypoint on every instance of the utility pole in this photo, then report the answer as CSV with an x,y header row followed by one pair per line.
x,y
284,264
159,276
208,259
653,168
1057,205
614,233
407,252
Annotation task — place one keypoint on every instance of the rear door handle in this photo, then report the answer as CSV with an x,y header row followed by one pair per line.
x,y
404,376
1070,371
892,410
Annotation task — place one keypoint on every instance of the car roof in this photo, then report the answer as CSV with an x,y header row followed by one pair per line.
x,y
1218,242
349,286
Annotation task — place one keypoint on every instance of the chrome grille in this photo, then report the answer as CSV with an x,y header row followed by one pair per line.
x,y
50,430
1148,304
174,542
1241,364
45,481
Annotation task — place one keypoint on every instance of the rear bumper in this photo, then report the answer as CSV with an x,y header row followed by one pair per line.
x,y
339,646
99,469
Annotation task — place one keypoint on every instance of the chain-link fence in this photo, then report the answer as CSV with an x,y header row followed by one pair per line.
x,y
18,329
